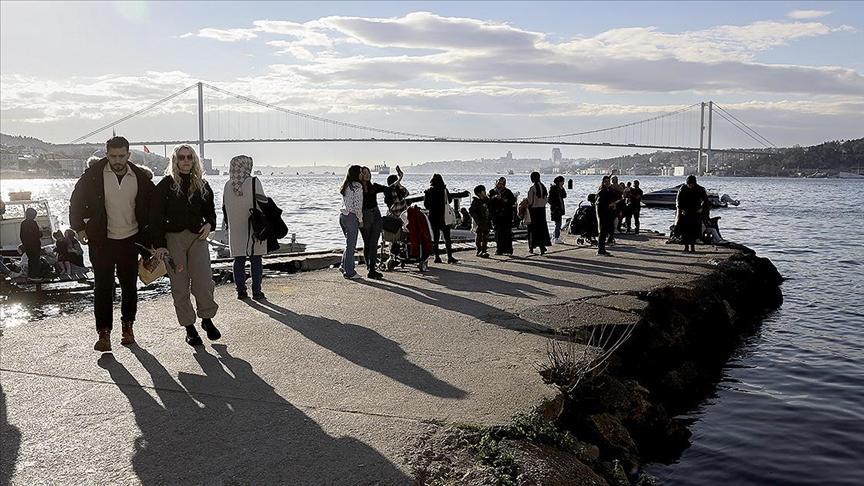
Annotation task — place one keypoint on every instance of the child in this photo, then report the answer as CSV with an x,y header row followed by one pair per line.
x,y
61,249
480,212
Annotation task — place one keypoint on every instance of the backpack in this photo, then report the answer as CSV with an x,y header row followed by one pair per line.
x,y
265,223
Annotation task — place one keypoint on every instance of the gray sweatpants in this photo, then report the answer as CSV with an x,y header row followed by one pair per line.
x,y
192,260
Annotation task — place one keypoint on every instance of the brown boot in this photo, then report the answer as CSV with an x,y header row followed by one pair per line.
x,y
128,337
103,345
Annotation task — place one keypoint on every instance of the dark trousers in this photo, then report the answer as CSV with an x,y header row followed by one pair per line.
x,y
503,236
437,229
34,262
482,240
634,214
121,255
371,231
607,228
240,273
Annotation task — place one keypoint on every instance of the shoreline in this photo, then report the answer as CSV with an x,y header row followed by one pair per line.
x,y
626,415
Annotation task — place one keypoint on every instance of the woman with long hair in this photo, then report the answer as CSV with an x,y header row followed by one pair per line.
x,y
372,222
236,203
351,217
538,229
182,215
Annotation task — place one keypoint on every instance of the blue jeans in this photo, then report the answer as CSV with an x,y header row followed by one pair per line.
x,y
371,232
240,273
350,227
557,220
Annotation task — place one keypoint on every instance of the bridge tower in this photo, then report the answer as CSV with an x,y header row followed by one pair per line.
x,y
201,121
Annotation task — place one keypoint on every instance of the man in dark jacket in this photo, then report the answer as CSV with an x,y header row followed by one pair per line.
x,y
557,193
607,197
31,240
108,210
502,204
482,220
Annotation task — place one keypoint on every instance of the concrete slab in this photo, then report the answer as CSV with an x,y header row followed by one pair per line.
x,y
323,383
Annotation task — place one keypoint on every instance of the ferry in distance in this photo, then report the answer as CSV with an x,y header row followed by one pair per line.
x,y
382,169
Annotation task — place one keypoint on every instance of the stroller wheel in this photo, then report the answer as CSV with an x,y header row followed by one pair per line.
x,y
391,264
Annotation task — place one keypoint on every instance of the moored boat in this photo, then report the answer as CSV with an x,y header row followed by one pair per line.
x,y
665,198
10,221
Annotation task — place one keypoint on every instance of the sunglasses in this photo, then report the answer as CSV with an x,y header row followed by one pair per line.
x,y
185,157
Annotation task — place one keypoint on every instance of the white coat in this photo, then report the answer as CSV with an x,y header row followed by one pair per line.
x,y
237,209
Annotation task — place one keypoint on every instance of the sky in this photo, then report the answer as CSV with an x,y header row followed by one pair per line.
x,y
793,71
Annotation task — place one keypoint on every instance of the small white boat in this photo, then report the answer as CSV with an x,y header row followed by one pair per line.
x,y
10,221
219,241
665,198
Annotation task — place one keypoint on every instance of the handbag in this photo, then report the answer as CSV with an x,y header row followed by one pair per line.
x,y
150,269
449,213
258,227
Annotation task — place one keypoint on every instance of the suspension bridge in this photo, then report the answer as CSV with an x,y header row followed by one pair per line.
x,y
224,116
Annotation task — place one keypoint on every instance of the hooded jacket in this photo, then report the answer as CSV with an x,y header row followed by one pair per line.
x,y
87,204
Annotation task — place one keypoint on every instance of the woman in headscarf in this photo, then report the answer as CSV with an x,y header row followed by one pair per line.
x,y
538,229
182,215
236,203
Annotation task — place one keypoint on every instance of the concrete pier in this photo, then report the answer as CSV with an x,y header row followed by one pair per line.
x,y
326,382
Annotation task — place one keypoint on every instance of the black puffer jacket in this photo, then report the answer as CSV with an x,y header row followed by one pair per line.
x,y
172,213
87,204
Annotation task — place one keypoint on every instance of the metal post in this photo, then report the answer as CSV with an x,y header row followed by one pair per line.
x,y
701,140
201,121
710,117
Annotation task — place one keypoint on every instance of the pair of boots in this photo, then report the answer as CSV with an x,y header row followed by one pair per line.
x,y
192,337
103,344
450,258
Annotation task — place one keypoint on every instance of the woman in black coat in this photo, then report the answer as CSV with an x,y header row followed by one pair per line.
x,y
435,199
607,197
690,203
502,202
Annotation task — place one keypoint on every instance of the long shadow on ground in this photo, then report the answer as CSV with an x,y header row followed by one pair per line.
x,y
10,442
229,426
462,305
363,347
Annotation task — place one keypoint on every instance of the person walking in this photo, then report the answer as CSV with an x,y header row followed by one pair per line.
x,y
690,203
31,239
441,215
557,193
538,229
479,212
237,201
182,216
351,218
606,200
502,203
634,203
109,212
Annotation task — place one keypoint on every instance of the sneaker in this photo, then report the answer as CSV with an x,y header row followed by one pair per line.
x,y
128,337
353,276
374,274
604,253
542,250
213,334
484,255
258,296
437,259
452,260
242,295
103,345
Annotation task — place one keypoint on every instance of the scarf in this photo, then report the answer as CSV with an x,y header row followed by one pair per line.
x,y
240,170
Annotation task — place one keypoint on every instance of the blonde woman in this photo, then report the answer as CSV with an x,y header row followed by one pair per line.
x,y
236,203
182,214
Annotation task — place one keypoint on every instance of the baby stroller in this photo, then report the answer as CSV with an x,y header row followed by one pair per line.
x,y
411,245
583,224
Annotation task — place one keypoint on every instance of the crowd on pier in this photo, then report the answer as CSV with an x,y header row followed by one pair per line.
x,y
135,226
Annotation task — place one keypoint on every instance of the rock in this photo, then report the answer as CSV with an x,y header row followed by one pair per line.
x,y
614,473
613,438
548,466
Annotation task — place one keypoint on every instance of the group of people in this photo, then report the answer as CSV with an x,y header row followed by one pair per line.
x,y
64,259
122,215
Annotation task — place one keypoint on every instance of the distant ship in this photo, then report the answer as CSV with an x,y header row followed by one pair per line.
x,y
382,169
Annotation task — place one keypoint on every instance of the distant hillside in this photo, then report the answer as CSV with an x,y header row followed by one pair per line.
x,y
827,158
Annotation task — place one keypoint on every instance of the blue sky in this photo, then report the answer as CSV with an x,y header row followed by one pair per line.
x,y
793,70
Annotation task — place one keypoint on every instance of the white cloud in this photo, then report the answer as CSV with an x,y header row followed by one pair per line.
x,y
807,14
223,35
